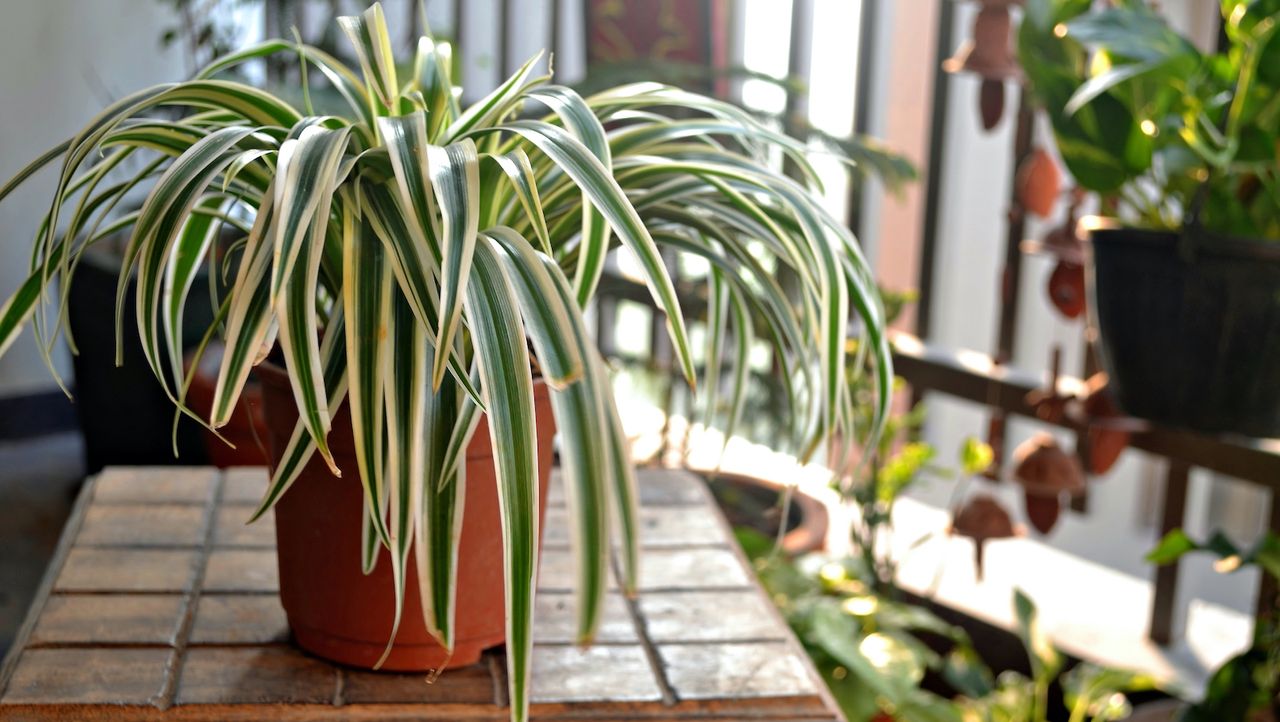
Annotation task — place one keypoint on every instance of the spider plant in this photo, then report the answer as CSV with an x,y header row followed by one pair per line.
x,y
406,255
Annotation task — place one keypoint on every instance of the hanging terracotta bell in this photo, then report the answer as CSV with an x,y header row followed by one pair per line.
x,y
1042,511
1038,183
1064,243
1066,288
1050,405
989,55
1106,442
1042,467
1045,471
982,518
991,103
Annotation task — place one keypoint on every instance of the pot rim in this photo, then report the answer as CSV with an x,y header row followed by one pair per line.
x,y
1112,231
811,533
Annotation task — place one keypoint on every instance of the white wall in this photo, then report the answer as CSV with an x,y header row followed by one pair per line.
x,y
60,62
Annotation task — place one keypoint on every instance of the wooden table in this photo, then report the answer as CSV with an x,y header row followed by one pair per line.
x,y
160,604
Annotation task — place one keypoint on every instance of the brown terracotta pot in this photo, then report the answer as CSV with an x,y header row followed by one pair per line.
x,y
337,612
246,430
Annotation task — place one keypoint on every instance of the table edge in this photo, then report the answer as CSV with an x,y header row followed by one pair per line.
x,y
35,608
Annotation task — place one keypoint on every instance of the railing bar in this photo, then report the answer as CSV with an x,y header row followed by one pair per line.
x,y
797,64
1268,604
1011,274
933,169
868,21
554,19
1080,503
459,26
929,368
504,40
925,367
1164,603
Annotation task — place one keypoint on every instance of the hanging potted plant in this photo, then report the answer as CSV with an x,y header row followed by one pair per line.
x,y
1183,148
396,263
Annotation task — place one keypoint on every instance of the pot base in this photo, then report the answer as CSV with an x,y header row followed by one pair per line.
x,y
403,658
344,615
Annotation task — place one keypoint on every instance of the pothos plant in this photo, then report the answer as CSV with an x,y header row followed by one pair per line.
x,y
1246,686
1165,133
405,254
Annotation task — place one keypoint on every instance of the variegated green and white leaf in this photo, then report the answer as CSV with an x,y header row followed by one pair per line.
x,y
300,447
250,316
308,170
366,297
598,183
515,165
410,266
180,270
556,328
494,106
405,395
717,321
438,500
160,221
455,179
368,34
507,389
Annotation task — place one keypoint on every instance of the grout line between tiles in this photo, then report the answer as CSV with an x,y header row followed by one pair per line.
x,y
173,670
650,649
339,687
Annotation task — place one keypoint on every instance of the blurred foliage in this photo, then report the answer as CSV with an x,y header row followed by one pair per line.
x,y
1089,691
873,479
870,649
1160,130
874,651
1247,686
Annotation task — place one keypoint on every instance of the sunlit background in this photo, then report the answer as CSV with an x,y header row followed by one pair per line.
x,y
1088,575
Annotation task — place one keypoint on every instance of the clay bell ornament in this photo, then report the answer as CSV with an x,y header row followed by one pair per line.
x,y
990,56
1038,183
982,518
1046,472
1066,288
1064,240
1106,438
1049,404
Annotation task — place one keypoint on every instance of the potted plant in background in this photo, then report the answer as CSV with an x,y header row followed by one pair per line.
x,y
1183,148
1246,686
397,262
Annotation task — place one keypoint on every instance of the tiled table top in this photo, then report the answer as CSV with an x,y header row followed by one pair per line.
x,y
161,605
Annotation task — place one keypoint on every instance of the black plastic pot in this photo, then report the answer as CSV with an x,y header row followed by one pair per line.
x,y
1190,327
125,416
